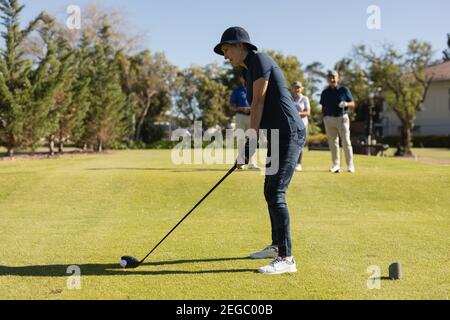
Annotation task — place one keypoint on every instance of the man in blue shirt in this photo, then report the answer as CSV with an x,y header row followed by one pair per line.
x,y
336,101
240,105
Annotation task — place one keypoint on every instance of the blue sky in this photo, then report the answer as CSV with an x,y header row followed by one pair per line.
x,y
319,30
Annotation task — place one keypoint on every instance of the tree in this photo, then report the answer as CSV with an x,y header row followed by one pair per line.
x,y
58,62
200,95
229,78
95,17
27,87
290,65
403,81
315,77
213,97
104,124
186,88
121,43
447,51
144,77
73,100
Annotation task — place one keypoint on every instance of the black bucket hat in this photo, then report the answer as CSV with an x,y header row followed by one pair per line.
x,y
234,35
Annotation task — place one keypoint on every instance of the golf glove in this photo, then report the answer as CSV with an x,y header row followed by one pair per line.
x,y
343,105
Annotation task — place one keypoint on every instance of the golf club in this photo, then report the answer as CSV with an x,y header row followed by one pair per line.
x,y
129,262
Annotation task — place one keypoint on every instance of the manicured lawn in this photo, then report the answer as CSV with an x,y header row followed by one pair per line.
x,y
90,210
433,153
440,154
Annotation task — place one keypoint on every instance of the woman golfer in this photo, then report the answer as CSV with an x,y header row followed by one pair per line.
x,y
272,109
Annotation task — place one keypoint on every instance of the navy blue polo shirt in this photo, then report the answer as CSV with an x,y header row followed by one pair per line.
x,y
239,97
331,98
279,108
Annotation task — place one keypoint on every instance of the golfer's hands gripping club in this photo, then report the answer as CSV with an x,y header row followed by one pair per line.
x,y
249,151
343,105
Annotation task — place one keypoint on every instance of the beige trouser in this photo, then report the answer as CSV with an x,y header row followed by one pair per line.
x,y
339,127
243,122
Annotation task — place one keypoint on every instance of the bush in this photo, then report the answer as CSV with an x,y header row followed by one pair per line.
x,y
118,145
152,133
421,141
136,145
319,138
162,144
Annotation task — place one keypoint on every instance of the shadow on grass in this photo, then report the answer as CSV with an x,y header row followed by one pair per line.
x,y
382,278
161,169
45,154
94,269
191,170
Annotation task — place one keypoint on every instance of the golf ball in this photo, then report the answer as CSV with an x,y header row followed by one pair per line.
x,y
123,263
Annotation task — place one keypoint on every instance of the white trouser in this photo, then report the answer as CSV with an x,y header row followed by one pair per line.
x,y
339,127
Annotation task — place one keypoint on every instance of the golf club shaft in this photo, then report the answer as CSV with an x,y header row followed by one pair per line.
x,y
187,214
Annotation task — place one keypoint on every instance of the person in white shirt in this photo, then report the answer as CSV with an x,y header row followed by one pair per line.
x,y
304,110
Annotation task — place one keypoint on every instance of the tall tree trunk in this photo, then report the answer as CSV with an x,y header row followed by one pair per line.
x,y
138,133
10,145
405,149
51,145
61,146
10,152
100,146
61,142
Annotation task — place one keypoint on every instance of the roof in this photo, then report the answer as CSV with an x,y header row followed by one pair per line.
x,y
439,72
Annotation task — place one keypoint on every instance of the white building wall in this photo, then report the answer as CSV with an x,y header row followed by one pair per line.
x,y
434,120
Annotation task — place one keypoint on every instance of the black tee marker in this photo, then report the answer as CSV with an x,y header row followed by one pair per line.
x,y
395,271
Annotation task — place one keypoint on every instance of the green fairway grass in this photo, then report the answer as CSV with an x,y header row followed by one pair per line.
x,y
429,153
89,210
440,154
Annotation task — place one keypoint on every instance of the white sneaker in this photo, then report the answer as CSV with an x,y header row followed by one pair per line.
x,y
335,169
279,266
240,167
351,169
253,167
299,168
268,252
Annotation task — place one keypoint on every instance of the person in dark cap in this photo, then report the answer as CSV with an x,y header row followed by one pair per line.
x,y
273,109
337,101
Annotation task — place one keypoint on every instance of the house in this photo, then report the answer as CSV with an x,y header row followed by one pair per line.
x,y
435,119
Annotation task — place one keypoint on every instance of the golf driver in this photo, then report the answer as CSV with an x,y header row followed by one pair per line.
x,y
130,262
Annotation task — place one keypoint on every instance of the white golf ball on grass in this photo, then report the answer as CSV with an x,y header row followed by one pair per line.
x,y
123,263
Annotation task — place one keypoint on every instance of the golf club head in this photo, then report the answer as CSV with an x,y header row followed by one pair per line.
x,y
128,262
